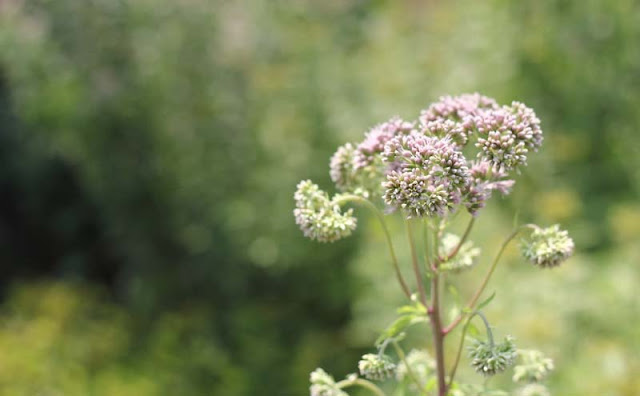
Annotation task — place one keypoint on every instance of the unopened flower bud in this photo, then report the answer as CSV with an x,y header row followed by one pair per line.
x,y
431,175
490,359
376,366
420,364
548,247
464,259
322,384
534,366
319,217
342,168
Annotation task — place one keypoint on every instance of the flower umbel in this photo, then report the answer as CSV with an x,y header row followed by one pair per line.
x,y
488,359
548,247
376,366
319,217
322,384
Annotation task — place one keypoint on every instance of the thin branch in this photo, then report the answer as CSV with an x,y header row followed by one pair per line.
x,y
416,268
360,382
467,231
454,368
474,300
380,216
402,357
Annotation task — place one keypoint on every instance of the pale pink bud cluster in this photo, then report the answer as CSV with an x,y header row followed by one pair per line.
x,y
457,108
377,137
506,135
431,178
484,179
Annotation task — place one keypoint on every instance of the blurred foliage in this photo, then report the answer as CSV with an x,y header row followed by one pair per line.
x,y
152,147
59,339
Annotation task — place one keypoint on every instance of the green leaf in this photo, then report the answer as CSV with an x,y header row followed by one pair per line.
x,y
399,325
454,293
472,330
416,309
486,302
431,385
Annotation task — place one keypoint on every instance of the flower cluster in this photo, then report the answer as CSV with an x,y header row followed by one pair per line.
x,y
376,366
548,247
322,384
377,137
319,217
485,178
506,135
431,177
457,108
534,367
341,168
444,128
489,359
419,167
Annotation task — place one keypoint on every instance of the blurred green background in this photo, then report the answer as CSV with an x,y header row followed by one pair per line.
x,y
149,150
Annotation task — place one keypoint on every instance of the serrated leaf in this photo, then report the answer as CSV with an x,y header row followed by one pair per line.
x,y
486,302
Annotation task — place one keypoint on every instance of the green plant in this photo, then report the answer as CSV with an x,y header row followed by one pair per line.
x,y
421,172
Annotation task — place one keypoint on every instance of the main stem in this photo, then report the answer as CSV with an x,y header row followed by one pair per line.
x,y
436,322
438,335
474,300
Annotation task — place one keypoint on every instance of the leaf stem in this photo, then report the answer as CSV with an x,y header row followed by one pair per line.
x,y
402,357
380,216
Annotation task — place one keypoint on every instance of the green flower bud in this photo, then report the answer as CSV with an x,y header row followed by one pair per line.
x,y
322,384
534,367
422,366
377,367
319,217
463,260
490,359
548,247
